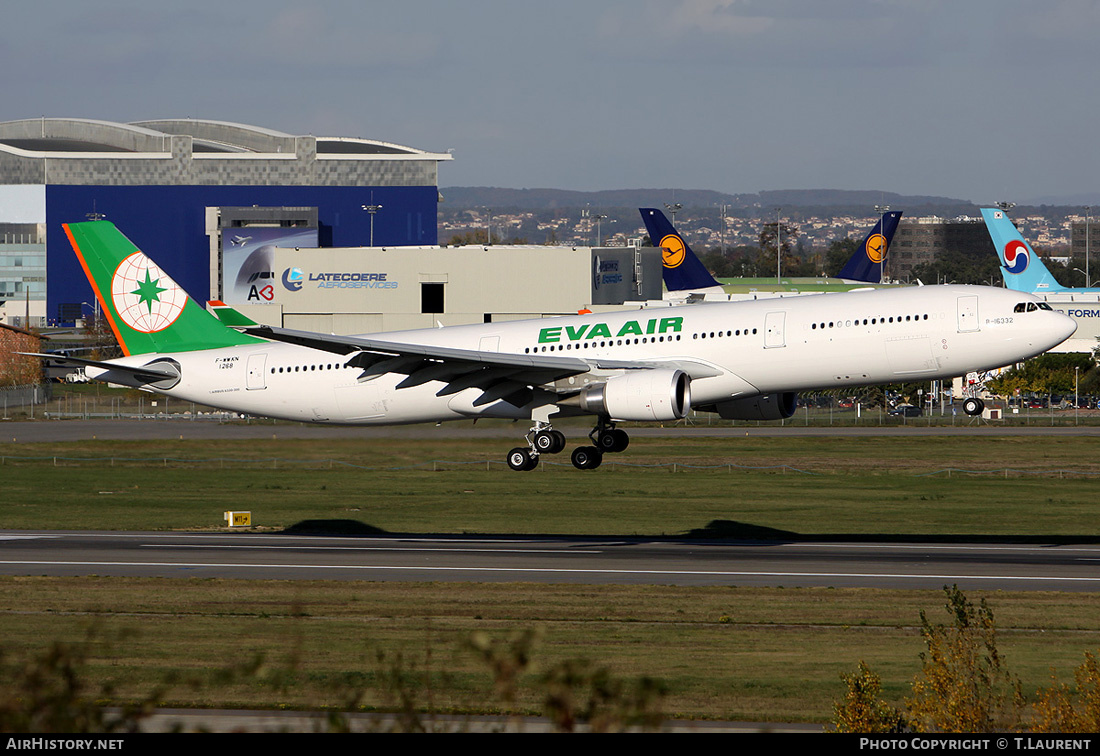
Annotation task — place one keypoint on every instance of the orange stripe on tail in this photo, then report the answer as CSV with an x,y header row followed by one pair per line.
x,y
95,288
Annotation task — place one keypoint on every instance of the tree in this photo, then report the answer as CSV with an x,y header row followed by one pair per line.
x,y
958,268
768,246
1046,374
862,710
1064,709
101,338
963,685
838,253
478,236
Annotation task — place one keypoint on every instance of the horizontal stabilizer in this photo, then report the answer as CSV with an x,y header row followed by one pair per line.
x,y
163,373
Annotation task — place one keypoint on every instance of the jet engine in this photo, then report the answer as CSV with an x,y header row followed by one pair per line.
x,y
763,407
640,395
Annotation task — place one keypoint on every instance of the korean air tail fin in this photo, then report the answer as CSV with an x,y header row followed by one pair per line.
x,y
1021,268
683,271
147,310
866,264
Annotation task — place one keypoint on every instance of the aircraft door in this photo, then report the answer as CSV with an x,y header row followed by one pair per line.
x,y
257,372
968,314
773,330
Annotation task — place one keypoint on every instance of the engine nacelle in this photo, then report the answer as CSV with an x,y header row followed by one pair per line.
x,y
764,407
640,395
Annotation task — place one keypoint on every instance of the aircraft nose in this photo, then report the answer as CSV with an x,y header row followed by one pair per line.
x,y
1063,327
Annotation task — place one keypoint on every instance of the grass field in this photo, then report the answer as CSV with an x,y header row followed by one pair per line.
x,y
727,653
758,654
837,486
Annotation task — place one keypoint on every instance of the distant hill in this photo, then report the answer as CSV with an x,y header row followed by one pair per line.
x,y
1068,200
549,199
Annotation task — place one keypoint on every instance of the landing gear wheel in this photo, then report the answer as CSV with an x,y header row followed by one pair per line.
x,y
612,440
549,441
586,457
560,437
973,406
522,460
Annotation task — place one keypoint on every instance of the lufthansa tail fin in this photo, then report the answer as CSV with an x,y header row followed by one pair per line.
x,y
683,271
148,312
867,262
1021,268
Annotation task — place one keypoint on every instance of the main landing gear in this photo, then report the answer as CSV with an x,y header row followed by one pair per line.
x,y
542,439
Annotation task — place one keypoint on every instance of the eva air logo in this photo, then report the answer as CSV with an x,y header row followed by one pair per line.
x,y
144,297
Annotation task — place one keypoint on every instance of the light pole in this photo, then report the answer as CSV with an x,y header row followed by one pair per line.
x,y
599,219
722,230
778,248
1088,213
372,209
882,210
673,208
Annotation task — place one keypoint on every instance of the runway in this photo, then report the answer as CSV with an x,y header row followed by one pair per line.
x,y
1027,567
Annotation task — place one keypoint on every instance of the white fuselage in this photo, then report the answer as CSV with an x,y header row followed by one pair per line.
x,y
734,350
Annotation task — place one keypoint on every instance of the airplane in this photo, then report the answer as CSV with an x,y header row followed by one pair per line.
x,y
1021,268
742,360
238,240
685,273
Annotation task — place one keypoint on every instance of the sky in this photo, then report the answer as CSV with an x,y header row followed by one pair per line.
x,y
982,100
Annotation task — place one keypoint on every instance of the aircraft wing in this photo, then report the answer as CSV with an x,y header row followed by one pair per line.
x,y
500,375
509,377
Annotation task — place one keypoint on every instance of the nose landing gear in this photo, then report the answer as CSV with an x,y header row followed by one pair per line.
x,y
973,406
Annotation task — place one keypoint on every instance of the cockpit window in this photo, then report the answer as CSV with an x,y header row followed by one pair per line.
x,y
1020,307
1045,306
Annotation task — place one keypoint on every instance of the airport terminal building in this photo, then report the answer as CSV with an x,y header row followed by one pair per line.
x,y
178,188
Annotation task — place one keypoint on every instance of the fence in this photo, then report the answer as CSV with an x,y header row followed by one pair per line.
x,y
439,465
23,398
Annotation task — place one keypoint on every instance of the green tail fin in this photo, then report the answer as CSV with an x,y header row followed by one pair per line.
x,y
147,310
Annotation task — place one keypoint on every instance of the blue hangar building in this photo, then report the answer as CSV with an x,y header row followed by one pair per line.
x,y
184,190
